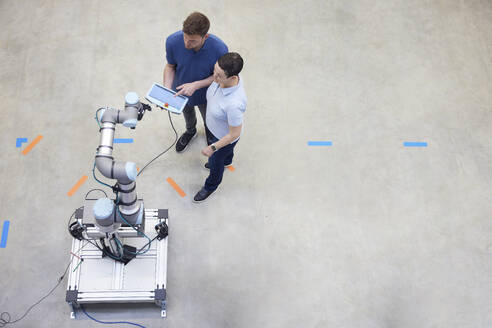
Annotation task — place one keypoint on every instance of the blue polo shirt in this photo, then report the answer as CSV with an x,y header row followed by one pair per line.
x,y
193,66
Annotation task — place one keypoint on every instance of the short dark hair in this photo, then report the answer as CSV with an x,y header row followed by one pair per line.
x,y
231,63
196,23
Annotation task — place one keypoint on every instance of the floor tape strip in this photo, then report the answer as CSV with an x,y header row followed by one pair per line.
x,y
122,140
5,233
414,144
320,143
176,187
32,144
77,185
19,142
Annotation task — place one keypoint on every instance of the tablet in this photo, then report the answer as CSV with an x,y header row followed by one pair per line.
x,y
165,98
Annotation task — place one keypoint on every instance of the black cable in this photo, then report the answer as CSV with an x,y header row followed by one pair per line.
x,y
5,317
99,247
150,242
107,250
95,190
70,219
175,140
95,244
112,255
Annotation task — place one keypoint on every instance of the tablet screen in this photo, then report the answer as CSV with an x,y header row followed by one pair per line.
x,y
166,96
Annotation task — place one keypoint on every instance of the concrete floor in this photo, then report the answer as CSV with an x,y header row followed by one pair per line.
x,y
365,233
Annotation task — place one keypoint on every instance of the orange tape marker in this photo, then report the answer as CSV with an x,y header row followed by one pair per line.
x,y
77,185
231,168
176,187
32,144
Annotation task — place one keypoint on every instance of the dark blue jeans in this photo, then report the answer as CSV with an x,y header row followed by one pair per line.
x,y
219,158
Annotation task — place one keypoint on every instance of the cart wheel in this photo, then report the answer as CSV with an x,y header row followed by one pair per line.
x,y
163,309
73,312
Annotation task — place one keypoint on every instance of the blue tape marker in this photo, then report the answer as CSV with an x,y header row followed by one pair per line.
x,y
123,140
19,142
320,143
415,144
5,233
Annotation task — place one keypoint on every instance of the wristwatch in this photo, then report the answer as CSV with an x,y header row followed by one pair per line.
x,y
213,147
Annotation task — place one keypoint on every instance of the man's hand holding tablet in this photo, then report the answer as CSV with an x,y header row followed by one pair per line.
x,y
166,98
187,89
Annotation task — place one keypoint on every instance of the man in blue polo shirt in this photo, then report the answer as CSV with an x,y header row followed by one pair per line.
x,y
225,110
191,55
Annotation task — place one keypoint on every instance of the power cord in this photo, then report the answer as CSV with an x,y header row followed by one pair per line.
x,y
109,322
106,195
70,219
5,317
165,151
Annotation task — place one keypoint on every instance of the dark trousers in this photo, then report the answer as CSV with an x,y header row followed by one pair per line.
x,y
190,119
219,158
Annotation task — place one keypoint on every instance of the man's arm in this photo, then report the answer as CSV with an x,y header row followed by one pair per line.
x,y
188,89
205,83
234,133
168,75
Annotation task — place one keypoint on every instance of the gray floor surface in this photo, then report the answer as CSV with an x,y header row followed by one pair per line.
x,y
364,233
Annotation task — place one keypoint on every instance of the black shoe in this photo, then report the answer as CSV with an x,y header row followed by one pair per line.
x,y
184,140
202,195
208,166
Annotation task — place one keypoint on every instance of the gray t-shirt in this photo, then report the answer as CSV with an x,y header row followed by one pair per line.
x,y
225,107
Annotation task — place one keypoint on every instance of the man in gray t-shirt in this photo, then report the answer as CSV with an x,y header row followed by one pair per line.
x,y
226,104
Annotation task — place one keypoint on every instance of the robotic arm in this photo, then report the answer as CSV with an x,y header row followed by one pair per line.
x,y
105,218
128,208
